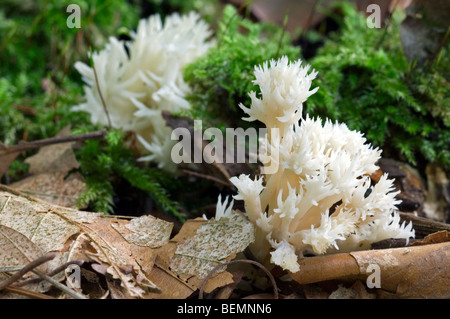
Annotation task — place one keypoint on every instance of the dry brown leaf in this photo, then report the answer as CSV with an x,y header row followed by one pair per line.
x,y
124,254
178,286
226,291
54,187
145,231
85,236
17,249
408,272
214,243
50,180
6,160
130,270
441,236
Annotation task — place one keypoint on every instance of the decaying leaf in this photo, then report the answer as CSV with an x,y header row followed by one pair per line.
x,y
180,286
6,160
123,251
54,158
50,179
16,249
408,272
214,243
146,231
77,235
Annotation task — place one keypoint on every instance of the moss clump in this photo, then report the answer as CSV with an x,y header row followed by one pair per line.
x,y
223,78
366,82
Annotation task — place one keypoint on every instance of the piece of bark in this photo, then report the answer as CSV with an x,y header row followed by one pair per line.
x,y
424,226
407,181
409,272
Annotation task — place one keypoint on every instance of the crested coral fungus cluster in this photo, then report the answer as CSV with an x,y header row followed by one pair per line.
x,y
315,195
138,79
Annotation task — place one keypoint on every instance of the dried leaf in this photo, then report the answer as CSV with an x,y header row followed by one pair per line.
x,y
226,291
178,286
50,180
54,158
43,227
85,236
214,243
146,231
54,188
124,261
408,272
16,249
441,236
6,160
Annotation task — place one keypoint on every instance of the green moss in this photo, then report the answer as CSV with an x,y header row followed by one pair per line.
x,y
366,82
223,78
104,164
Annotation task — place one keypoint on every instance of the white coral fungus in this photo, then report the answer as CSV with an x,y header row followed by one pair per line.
x,y
320,199
140,78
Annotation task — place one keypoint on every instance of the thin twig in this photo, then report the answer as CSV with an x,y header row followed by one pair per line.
x,y
10,268
28,293
214,270
50,141
30,266
51,274
212,178
60,286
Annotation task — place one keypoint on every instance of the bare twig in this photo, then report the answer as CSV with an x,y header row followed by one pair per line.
x,y
51,274
60,286
212,178
28,293
10,268
214,270
30,266
50,141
